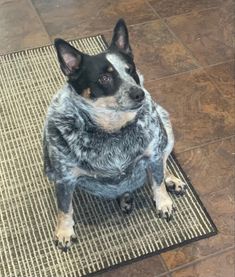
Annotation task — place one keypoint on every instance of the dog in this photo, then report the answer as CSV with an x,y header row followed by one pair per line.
x,y
104,134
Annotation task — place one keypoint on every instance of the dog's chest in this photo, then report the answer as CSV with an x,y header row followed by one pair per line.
x,y
112,154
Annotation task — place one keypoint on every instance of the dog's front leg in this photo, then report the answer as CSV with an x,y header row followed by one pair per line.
x,y
64,233
161,197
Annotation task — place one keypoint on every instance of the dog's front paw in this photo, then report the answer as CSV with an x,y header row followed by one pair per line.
x,y
175,185
64,236
164,205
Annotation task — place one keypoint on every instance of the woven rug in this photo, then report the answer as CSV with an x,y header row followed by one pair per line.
x,y
28,79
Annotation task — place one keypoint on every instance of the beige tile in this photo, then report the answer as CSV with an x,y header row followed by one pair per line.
x,y
20,27
219,266
72,19
223,76
166,8
208,33
199,111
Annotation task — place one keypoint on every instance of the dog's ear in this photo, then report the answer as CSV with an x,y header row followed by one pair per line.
x,y
120,38
69,57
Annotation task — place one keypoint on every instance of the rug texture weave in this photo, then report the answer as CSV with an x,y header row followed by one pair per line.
x,y
28,80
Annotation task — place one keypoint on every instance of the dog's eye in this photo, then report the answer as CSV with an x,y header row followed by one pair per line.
x,y
105,79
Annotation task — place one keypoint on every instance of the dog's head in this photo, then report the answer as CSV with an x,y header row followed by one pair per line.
x,y
109,80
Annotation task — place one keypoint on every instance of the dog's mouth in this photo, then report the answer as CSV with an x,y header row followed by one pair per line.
x,y
137,105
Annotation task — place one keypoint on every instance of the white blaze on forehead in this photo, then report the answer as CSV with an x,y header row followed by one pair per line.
x,y
120,66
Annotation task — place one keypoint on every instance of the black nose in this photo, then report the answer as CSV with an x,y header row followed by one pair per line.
x,y
136,94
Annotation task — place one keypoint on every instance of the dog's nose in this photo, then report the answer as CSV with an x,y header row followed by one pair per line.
x,y
136,94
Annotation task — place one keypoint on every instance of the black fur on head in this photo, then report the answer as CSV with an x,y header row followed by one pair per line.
x,y
99,73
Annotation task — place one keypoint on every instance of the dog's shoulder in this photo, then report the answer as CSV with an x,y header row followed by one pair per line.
x,y
167,134
62,102
64,123
65,107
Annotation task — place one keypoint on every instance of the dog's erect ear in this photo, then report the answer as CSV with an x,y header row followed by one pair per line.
x,y
69,57
120,38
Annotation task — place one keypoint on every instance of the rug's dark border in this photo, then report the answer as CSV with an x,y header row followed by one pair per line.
x,y
214,228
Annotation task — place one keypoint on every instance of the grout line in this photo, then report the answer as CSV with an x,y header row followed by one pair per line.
x,y
190,71
219,63
202,259
164,20
164,263
173,75
111,29
145,22
45,45
92,34
67,37
165,274
205,144
40,19
191,12
175,36
214,81
133,25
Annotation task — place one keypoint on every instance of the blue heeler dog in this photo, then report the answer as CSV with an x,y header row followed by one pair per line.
x,y
104,134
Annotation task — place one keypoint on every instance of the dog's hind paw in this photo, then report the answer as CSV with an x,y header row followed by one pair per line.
x,y
175,185
126,202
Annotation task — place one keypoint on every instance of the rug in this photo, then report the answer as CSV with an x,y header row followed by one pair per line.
x,y
28,80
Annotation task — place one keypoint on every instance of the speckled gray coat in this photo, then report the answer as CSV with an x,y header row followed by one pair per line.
x,y
109,163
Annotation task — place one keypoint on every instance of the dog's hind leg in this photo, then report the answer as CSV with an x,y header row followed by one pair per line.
x,y
161,197
173,184
64,233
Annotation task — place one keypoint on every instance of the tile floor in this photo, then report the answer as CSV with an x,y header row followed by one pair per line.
x,y
184,49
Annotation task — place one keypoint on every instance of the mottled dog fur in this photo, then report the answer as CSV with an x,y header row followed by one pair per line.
x,y
104,134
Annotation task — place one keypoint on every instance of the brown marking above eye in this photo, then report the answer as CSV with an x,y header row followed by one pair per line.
x,y
86,93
